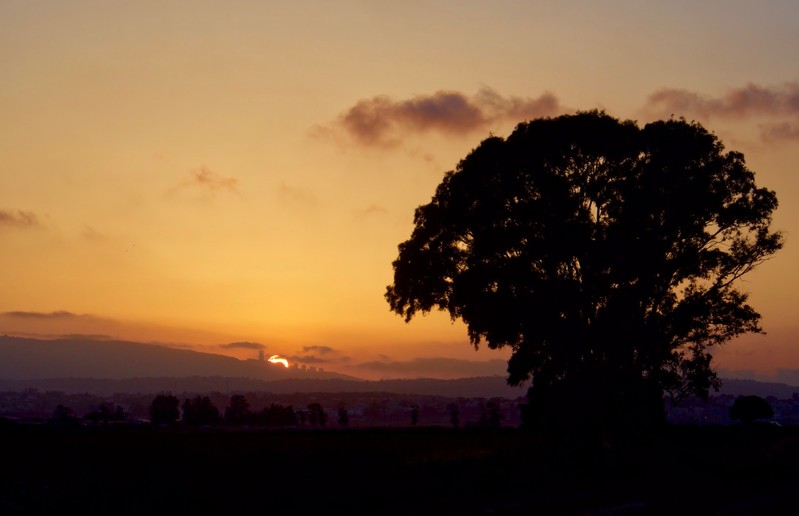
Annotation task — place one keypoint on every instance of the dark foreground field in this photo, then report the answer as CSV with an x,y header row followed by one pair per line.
x,y
141,470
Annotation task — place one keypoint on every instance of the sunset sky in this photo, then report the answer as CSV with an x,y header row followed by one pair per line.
x,y
199,173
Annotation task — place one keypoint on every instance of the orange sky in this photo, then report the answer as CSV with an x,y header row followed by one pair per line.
x,y
199,173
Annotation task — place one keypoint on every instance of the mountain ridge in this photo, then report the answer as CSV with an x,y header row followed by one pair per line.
x,y
109,367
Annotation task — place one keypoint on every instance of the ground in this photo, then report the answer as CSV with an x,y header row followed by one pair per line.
x,y
143,470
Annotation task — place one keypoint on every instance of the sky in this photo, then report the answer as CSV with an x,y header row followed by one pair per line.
x,y
200,173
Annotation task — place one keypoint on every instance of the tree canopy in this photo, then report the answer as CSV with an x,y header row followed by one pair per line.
x,y
164,409
602,253
749,408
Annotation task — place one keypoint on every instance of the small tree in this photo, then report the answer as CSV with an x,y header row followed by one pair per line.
x,y
278,415
106,413
454,415
317,415
200,411
238,412
749,408
63,415
343,416
164,409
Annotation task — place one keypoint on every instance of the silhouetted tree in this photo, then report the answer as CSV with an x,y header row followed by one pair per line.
x,y
278,415
238,412
62,412
317,415
343,416
63,416
749,408
200,411
490,415
603,254
164,409
106,413
414,415
454,415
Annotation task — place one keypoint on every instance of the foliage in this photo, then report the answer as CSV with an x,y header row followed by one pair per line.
x,y
64,416
106,413
238,412
164,409
454,415
603,254
278,415
200,411
343,416
749,408
317,415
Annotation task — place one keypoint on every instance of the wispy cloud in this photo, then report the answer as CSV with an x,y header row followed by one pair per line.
x,y
309,359
208,180
385,121
322,350
92,235
19,219
318,355
60,314
373,210
243,345
752,99
86,336
778,105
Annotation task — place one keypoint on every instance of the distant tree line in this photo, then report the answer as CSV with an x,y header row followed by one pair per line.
x,y
200,411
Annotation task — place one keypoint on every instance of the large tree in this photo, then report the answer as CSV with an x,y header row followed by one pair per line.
x,y
603,254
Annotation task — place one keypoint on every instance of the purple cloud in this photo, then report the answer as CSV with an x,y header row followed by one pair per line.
x,y
384,121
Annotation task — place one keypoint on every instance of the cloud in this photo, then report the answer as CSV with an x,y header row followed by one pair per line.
x,y
322,350
782,131
92,235
384,121
438,367
373,210
208,180
60,315
85,336
749,101
309,359
242,345
318,355
19,219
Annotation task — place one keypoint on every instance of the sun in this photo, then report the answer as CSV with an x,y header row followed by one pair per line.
x,y
275,359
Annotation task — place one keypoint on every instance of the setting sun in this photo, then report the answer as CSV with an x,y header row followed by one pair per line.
x,y
275,359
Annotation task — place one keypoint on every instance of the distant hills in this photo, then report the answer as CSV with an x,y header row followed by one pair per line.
x,y
36,359
108,367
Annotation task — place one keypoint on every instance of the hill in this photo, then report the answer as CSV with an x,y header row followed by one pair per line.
x,y
23,359
107,367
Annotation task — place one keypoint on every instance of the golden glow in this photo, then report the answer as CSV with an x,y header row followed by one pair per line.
x,y
190,179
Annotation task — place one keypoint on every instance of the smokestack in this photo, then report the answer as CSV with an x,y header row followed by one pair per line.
x,y
261,356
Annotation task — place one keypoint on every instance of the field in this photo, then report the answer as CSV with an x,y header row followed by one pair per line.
x,y
144,470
